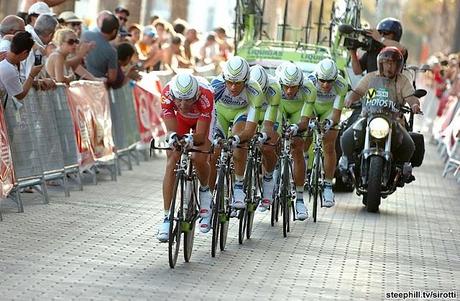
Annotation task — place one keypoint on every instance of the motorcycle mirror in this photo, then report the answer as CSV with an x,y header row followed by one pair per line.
x,y
346,29
419,93
425,67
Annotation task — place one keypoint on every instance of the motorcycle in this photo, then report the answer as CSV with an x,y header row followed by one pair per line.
x,y
375,174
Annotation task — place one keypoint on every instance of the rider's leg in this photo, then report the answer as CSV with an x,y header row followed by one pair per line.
x,y
269,159
403,152
299,176
239,159
222,126
168,186
201,163
330,159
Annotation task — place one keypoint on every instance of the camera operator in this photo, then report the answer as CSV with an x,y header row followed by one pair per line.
x,y
387,33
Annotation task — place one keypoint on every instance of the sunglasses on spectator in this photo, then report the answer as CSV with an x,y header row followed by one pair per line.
x,y
330,81
75,24
73,41
123,19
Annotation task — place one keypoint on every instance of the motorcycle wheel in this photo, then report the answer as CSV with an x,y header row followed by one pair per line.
x,y
374,185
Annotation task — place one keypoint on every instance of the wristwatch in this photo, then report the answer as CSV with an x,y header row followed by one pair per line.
x,y
382,39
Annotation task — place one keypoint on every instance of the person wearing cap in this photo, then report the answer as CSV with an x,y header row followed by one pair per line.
x,y
149,50
70,20
135,32
35,10
26,4
122,14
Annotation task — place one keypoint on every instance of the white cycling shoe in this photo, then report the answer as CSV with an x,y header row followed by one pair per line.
x,y
302,212
238,198
163,232
205,203
328,196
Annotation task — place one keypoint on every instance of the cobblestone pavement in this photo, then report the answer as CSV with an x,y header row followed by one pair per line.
x,y
100,244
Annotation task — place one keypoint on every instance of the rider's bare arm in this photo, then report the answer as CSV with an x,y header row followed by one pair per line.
x,y
249,131
201,133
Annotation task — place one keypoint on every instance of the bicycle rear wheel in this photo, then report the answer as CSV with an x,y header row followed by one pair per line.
x,y
253,202
175,230
315,184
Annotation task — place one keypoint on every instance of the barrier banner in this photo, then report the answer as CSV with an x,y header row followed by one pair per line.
x,y
147,98
6,163
89,105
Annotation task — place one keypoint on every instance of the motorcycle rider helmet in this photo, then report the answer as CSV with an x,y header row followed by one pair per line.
x,y
390,53
236,69
326,70
289,74
184,86
259,74
391,25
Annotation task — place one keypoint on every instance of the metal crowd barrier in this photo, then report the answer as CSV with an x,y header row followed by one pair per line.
x,y
124,125
66,132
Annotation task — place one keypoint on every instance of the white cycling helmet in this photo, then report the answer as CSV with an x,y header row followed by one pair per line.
x,y
289,74
236,69
259,74
184,86
326,70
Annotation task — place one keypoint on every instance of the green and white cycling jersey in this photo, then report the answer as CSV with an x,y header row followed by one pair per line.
x,y
327,101
294,109
232,109
272,101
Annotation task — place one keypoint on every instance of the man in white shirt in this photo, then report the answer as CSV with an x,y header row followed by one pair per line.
x,y
10,84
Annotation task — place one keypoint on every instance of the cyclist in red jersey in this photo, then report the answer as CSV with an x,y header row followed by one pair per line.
x,y
187,104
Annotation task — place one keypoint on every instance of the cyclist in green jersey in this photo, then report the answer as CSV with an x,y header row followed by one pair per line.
x,y
297,95
239,101
331,91
267,117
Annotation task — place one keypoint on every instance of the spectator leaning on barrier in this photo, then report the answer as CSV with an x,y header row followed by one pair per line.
x,y
191,39
225,46
126,70
102,60
8,27
122,14
135,32
10,83
148,49
209,52
67,42
42,33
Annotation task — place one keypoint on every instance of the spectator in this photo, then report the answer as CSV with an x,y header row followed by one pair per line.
x,y
180,25
102,60
10,83
125,53
37,9
209,52
225,46
163,29
67,42
135,31
149,50
26,4
8,27
70,20
122,14
191,37
42,33
174,55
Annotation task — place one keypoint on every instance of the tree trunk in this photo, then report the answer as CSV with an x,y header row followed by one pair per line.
x,y
179,9
456,44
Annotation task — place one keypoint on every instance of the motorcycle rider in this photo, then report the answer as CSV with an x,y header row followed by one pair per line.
x,y
390,79
387,33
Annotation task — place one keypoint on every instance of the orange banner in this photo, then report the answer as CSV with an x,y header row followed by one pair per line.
x,y
7,179
90,108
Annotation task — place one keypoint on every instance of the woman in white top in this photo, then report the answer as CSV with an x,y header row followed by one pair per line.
x,y
66,42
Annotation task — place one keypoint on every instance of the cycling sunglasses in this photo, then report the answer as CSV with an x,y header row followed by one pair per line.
x,y
330,81
229,82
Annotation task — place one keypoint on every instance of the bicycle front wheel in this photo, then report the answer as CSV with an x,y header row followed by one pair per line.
x,y
175,231
225,212
285,196
216,210
191,217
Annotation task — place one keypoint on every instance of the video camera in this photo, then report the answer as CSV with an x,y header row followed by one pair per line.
x,y
359,38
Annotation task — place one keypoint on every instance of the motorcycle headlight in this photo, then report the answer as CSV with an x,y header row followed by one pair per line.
x,y
379,128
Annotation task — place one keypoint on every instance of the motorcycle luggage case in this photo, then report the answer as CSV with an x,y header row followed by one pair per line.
x,y
419,153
